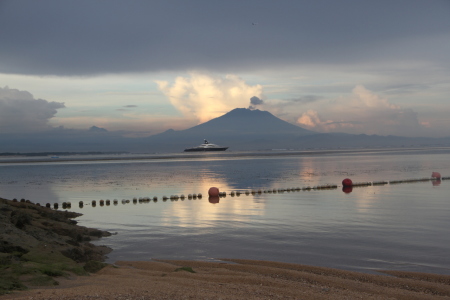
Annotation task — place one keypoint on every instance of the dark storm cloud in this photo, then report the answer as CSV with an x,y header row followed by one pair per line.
x,y
87,37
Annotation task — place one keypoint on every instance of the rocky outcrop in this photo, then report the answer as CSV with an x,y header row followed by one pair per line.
x,y
39,243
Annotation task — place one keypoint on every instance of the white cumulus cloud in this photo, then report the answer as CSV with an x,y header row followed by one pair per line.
x,y
20,112
369,100
312,120
204,97
362,112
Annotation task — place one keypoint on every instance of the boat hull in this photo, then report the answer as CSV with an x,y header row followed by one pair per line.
x,y
205,149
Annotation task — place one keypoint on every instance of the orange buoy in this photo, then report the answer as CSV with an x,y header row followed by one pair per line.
x,y
213,192
347,182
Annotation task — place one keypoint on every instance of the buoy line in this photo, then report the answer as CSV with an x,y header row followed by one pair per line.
x,y
347,185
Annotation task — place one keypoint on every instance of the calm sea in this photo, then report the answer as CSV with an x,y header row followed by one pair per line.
x,y
394,226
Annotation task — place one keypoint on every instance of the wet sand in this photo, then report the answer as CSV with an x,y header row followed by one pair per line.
x,y
239,279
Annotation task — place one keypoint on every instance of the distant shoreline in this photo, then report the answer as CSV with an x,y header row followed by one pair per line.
x,y
47,153
120,156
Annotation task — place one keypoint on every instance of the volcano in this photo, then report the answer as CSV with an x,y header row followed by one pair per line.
x,y
239,129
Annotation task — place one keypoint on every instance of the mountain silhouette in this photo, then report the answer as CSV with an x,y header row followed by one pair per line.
x,y
241,128
243,121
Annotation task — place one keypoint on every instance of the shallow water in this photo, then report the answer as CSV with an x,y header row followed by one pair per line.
x,y
402,226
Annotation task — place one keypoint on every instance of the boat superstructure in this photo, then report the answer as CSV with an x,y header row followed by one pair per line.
x,y
206,146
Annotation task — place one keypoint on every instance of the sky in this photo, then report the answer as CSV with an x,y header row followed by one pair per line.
x,y
141,67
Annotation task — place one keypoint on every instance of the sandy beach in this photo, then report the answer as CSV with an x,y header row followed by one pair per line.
x,y
239,279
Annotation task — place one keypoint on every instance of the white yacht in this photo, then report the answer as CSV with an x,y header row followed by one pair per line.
x,y
206,146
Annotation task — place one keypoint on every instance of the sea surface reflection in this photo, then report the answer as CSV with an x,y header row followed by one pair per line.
x,y
401,226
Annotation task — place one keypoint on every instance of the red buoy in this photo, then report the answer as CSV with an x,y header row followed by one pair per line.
x,y
436,175
347,182
213,192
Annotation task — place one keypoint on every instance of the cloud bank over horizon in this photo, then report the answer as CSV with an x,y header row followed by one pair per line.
x,y
20,112
364,112
202,97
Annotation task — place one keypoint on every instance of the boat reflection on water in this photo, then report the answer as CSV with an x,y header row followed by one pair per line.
x,y
206,146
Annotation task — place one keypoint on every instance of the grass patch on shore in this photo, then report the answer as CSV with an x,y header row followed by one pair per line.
x,y
94,266
20,275
39,279
186,269
52,263
9,283
38,267
9,277
46,256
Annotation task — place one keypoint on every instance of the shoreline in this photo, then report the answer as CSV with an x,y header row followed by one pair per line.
x,y
239,279
200,155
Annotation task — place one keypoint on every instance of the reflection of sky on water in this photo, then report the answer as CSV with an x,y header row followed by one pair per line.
x,y
386,227
400,226
203,215
75,181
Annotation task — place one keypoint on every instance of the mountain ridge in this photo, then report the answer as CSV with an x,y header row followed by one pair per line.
x,y
245,121
245,129
239,129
